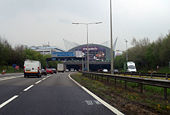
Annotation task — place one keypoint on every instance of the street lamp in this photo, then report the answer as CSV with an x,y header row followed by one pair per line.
x,y
88,41
126,51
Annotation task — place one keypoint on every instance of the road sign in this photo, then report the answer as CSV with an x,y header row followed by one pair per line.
x,y
63,54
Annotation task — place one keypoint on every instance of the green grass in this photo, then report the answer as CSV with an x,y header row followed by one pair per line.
x,y
152,96
160,70
164,70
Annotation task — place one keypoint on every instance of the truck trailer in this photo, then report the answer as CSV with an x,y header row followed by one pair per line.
x,y
60,67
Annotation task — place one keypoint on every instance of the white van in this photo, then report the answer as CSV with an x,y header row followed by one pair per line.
x,y
131,67
32,68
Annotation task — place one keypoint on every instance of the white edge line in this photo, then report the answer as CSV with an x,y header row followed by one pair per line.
x,y
8,101
28,88
114,110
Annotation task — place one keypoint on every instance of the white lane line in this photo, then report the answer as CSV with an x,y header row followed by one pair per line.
x,y
8,101
114,110
43,78
28,88
7,78
38,82
48,76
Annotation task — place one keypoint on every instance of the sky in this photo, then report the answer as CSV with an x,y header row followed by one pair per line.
x,y
37,22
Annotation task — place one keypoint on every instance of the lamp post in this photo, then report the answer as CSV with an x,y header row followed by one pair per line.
x,y
126,51
87,24
111,40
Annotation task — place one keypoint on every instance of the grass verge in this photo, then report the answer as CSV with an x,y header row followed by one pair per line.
x,y
129,101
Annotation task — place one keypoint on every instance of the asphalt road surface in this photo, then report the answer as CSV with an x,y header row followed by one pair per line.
x,y
54,94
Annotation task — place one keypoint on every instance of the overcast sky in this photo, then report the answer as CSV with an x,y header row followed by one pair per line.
x,y
37,22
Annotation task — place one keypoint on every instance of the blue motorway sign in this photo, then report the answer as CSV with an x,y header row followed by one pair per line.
x,y
63,54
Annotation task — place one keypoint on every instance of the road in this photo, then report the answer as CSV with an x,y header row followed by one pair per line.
x,y
54,94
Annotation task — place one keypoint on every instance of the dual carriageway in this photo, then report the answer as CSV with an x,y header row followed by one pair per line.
x,y
55,94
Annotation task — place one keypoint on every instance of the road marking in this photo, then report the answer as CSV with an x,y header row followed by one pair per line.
x,y
12,77
114,110
8,101
38,82
89,102
97,102
43,78
28,88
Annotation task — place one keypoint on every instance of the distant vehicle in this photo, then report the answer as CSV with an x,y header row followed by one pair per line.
x,y
43,72
131,67
60,67
105,70
49,71
67,70
54,70
32,68
99,70
116,70
72,69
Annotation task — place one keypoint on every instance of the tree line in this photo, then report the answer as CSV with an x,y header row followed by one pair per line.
x,y
18,54
147,55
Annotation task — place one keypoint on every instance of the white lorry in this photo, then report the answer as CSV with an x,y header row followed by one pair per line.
x,y
131,67
32,68
60,67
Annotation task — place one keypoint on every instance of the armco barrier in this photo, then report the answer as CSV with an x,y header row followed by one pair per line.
x,y
163,75
142,81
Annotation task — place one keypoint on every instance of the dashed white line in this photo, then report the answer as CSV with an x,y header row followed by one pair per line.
x,y
28,88
38,82
114,110
43,78
8,101
14,97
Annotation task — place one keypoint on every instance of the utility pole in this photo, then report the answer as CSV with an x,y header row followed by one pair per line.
x,y
111,40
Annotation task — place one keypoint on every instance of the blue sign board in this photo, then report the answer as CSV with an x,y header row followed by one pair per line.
x,y
53,59
63,54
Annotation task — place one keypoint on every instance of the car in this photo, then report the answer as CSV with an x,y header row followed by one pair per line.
x,y
67,70
54,70
49,71
105,70
43,72
72,69
99,70
116,70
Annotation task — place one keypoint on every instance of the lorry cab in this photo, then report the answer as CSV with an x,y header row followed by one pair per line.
x,y
32,68
131,67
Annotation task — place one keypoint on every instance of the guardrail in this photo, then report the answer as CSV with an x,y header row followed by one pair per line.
x,y
141,74
142,81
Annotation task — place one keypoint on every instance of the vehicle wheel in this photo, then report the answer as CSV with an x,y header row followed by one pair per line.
x,y
25,76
